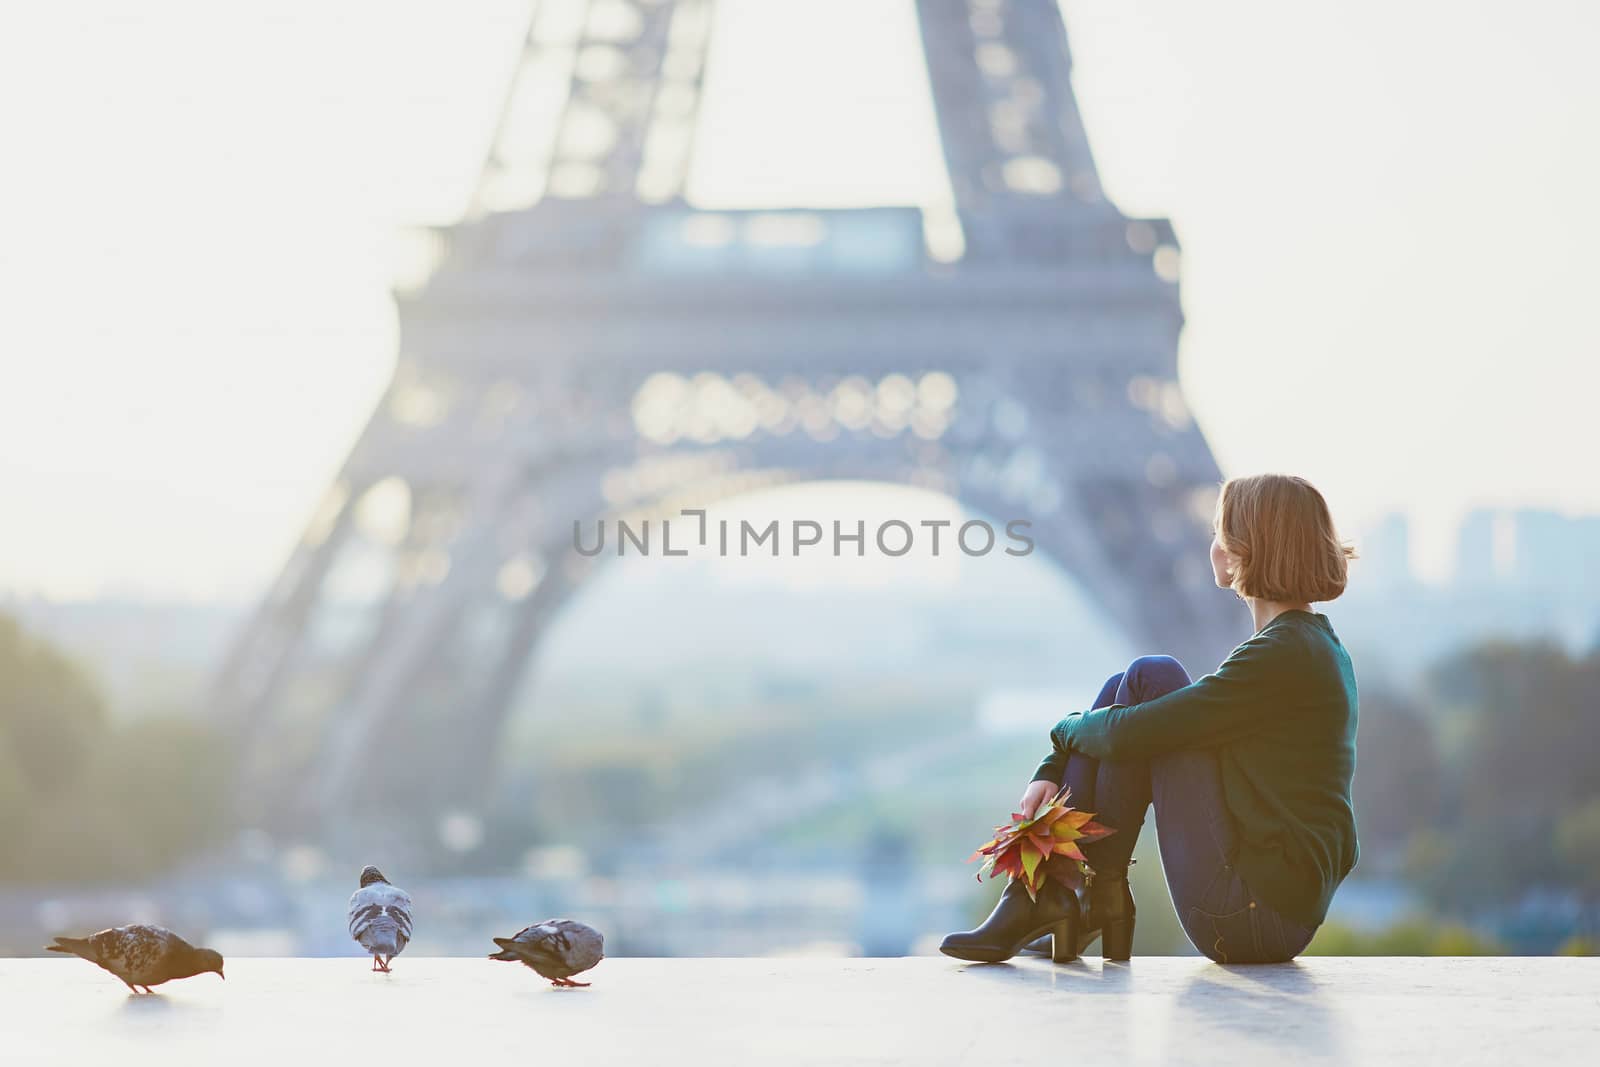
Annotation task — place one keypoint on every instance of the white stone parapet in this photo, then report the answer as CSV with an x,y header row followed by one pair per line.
x,y
1177,1010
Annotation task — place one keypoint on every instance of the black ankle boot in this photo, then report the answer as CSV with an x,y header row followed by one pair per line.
x,y
1016,920
1107,913
1111,907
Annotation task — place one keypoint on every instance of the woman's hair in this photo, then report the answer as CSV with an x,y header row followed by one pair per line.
x,y
1278,529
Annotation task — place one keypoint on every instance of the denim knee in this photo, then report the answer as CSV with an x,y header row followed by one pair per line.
x,y
1108,692
1153,676
1191,770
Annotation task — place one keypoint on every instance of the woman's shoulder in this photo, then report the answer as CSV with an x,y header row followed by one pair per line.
x,y
1323,657
1306,637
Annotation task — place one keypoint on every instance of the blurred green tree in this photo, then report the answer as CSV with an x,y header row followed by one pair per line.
x,y
1577,945
1578,844
83,800
1526,725
51,716
1414,937
1398,784
1533,727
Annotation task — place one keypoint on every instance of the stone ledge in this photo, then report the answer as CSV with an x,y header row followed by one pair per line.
x,y
809,1010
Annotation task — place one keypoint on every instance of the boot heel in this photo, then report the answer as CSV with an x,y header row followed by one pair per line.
x,y
1064,939
1116,939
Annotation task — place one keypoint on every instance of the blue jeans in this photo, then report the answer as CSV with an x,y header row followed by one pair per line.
x,y
1219,913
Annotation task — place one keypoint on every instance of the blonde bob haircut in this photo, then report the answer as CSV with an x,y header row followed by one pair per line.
x,y
1278,530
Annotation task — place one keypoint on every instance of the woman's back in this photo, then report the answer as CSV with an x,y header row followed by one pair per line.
x,y
1287,783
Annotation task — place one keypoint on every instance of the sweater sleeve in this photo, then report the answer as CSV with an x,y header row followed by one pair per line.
x,y
1053,767
1233,702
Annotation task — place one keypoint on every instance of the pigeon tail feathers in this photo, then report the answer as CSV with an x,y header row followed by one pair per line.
x,y
76,946
380,918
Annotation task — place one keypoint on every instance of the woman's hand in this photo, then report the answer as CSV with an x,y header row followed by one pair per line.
x,y
1035,795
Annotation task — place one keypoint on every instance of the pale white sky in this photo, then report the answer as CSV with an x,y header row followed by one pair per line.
x,y
1391,238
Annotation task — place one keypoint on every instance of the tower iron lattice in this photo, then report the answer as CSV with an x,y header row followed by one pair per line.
x,y
588,345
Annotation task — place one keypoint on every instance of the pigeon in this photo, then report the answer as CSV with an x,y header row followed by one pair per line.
x,y
142,955
380,917
556,948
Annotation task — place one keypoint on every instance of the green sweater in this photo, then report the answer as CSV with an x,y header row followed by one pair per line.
x,y
1280,713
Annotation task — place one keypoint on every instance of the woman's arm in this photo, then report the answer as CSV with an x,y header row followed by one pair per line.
x,y
1247,689
1053,768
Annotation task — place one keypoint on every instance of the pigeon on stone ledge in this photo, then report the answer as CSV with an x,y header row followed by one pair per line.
x,y
380,917
556,948
142,955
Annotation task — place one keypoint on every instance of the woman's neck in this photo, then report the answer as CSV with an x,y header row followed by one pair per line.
x,y
1264,611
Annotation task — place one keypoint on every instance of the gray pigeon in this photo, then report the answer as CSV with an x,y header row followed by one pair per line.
x,y
556,948
380,917
142,955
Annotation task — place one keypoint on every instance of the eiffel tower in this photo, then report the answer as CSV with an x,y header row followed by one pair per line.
x,y
590,345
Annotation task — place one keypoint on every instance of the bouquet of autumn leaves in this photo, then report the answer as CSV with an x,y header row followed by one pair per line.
x,y
1045,846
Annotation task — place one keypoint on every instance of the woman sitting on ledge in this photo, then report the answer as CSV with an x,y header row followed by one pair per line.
x,y
1249,768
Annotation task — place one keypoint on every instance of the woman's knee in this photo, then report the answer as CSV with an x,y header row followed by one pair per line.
x,y
1153,676
1108,692
1080,777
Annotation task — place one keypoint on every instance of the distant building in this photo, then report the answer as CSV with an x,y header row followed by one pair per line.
x,y
1475,550
1521,575
1385,553
1554,551
1529,549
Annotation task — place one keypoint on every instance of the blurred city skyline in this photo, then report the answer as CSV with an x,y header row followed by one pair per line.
x,y
202,235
